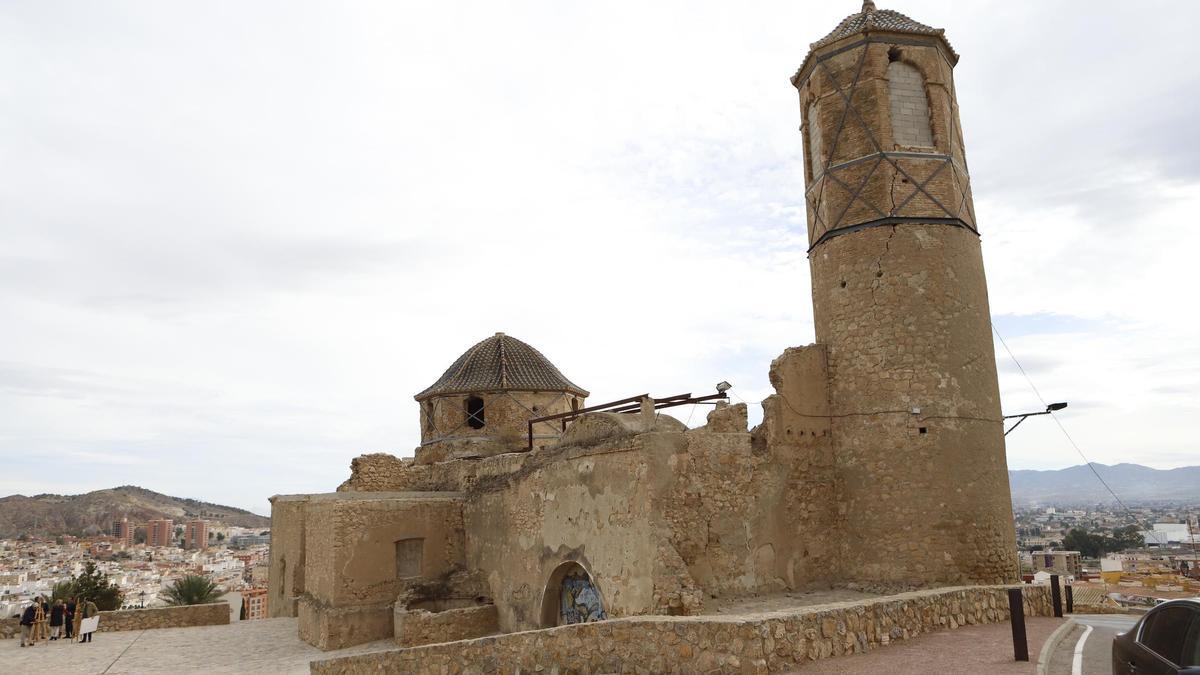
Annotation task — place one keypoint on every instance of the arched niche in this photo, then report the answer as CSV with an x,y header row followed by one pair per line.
x,y
571,596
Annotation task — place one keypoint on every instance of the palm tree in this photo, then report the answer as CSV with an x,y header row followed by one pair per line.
x,y
192,590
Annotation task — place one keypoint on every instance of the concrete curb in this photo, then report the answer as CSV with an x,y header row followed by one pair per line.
x,y
1043,662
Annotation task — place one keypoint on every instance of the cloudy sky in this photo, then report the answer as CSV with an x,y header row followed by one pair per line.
x,y
236,238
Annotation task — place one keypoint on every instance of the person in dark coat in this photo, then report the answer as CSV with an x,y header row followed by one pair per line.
x,y
27,618
70,618
57,614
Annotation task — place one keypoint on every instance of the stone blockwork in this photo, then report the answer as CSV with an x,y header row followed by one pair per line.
x,y
909,107
903,313
778,641
214,614
420,627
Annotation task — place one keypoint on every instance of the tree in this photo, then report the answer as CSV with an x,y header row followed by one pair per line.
x,y
220,536
1126,537
62,590
92,584
139,535
1088,545
192,589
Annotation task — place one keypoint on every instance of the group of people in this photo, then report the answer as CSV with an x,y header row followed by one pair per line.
x,y
64,618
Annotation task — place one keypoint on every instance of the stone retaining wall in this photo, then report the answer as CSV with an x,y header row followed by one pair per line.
x,y
774,641
142,619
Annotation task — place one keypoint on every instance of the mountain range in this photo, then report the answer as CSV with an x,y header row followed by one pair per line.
x,y
52,515
1078,485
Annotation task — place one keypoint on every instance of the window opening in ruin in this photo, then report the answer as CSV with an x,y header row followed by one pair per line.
x,y
409,553
923,430
474,406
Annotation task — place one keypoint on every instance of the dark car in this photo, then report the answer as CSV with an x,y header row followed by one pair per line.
x,y
1165,640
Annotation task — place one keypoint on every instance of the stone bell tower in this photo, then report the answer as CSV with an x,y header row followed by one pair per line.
x,y
900,304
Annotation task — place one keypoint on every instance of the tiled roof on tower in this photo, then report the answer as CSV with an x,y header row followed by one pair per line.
x,y
500,363
873,19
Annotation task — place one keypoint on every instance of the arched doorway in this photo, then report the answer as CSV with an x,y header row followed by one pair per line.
x,y
571,596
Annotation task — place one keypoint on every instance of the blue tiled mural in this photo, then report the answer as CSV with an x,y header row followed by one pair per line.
x,y
580,602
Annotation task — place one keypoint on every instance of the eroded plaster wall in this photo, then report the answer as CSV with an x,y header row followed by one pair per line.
x,y
587,505
352,577
285,580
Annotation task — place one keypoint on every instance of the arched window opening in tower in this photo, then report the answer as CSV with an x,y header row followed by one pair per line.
x,y
815,149
474,406
909,107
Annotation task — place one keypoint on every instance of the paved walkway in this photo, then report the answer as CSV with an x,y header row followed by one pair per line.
x,y
969,650
263,646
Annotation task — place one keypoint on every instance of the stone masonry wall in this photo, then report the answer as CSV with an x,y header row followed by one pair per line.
x,y
381,472
775,642
214,614
917,433
420,627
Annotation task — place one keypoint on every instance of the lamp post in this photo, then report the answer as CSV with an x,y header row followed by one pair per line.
x,y
142,595
1021,416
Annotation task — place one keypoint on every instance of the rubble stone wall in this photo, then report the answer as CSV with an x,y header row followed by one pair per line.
x,y
916,421
420,627
775,642
381,472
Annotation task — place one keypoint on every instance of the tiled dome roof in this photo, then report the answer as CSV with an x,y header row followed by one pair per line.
x,y
500,363
871,18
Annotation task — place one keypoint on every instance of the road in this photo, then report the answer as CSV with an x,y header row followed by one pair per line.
x,y
1096,655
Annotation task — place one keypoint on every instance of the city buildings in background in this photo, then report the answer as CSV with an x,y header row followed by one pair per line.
x,y
195,535
160,532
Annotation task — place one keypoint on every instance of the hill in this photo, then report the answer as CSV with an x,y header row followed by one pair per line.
x,y
1131,482
51,515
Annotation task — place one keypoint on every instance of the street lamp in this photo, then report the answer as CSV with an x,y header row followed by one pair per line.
x,y
1049,409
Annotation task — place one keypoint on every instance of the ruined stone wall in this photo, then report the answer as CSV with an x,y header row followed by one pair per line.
x,y
387,473
745,518
589,505
351,572
351,540
776,642
419,627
